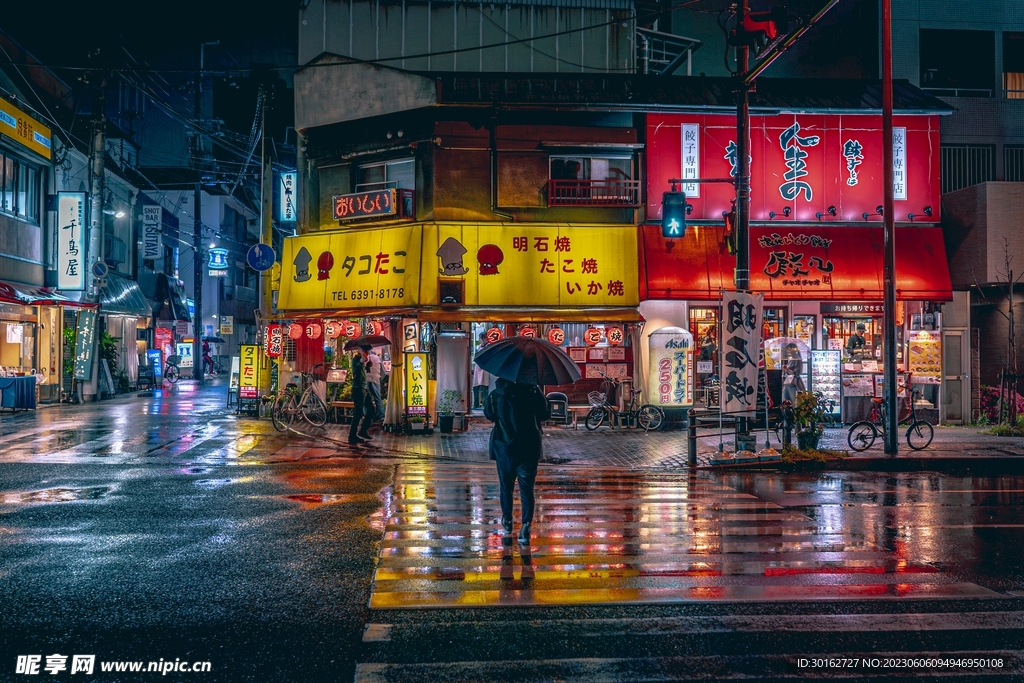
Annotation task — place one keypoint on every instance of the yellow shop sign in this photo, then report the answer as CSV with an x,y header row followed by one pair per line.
x,y
530,265
374,268
20,127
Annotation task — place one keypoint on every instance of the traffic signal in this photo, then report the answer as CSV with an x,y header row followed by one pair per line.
x,y
673,214
730,231
760,29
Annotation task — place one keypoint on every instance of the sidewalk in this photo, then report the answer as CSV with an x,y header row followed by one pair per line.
x,y
952,448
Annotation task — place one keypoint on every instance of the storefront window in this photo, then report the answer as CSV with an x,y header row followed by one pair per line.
x,y
17,347
774,323
704,328
19,188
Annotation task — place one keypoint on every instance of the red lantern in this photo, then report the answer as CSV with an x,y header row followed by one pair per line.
x,y
494,334
592,336
528,331
351,330
273,340
313,330
376,327
332,329
295,331
556,335
615,335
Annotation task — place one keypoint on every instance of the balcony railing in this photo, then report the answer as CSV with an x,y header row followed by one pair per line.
x,y
593,192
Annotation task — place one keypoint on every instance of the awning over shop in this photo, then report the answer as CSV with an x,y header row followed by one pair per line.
x,y
170,299
796,263
529,315
122,296
29,295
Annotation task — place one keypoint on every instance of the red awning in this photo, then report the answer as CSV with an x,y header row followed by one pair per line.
x,y
28,295
802,263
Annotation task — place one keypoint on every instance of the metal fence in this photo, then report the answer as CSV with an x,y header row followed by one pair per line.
x,y
1013,163
966,165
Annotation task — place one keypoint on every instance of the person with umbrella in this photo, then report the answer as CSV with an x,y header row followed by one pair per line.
x,y
517,408
360,398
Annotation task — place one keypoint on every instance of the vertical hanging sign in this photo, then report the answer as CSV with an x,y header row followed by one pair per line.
x,y
741,342
690,133
286,211
899,163
84,339
151,232
71,241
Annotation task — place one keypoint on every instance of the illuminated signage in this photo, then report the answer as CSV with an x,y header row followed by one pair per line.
x,y
273,340
71,241
670,382
286,211
248,379
151,229
415,383
365,205
22,128
86,333
218,259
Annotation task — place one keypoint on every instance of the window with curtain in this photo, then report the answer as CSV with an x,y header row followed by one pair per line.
x,y
19,188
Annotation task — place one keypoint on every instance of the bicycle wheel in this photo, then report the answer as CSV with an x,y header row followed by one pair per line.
x,y
919,435
862,436
314,410
649,417
171,374
283,413
594,418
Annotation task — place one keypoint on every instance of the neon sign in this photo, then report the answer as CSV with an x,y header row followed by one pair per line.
x,y
364,205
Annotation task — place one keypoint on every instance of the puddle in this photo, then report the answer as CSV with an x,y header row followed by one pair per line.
x,y
320,498
210,484
56,495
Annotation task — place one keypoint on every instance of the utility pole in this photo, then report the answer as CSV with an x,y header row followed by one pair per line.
x,y
96,233
889,244
266,212
197,224
743,162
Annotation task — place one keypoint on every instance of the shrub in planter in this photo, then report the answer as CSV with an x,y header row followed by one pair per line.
x,y
990,403
809,414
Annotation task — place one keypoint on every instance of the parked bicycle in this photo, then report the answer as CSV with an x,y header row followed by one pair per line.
x,y
294,401
863,434
646,416
171,370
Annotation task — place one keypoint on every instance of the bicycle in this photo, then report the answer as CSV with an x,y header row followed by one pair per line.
x,y
863,434
646,416
291,403
171,370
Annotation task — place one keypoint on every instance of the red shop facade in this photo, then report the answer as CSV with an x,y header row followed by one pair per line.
x,y
815,248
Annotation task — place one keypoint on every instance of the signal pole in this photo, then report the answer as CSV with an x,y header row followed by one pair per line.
x,y
742,275
889,243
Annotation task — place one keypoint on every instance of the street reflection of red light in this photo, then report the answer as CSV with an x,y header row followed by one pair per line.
x,y
794,571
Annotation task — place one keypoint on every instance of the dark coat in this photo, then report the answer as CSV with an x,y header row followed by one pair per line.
x,y
517,411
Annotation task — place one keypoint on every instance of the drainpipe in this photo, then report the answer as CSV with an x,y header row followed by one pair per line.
x,y
645,53
491,128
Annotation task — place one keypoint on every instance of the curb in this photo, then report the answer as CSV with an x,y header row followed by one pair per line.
x,y
946,464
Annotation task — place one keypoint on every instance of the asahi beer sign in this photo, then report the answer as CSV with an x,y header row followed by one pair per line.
x,y
151,232
71,241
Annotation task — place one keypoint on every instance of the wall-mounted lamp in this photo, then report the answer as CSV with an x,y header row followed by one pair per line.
x,y
689,209
880,210
927,211
771,214
819,215
108,207
786,210
832,211
865,215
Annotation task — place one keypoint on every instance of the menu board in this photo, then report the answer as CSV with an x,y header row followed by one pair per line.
x,y
825,373
858,385
925,357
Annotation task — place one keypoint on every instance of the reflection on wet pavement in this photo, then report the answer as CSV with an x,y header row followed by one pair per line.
x,y
615,536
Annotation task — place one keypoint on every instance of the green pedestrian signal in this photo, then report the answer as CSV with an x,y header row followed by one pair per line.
x,y
673,214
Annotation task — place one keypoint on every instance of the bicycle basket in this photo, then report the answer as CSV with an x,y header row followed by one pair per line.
x,y
174,360
595,398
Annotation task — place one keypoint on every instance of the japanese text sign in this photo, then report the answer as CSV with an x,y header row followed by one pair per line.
x,y
348,207
22,128
286,211
71,241
670,380
741,343
84,340
248,379
362,269
151,232
273,340
415,383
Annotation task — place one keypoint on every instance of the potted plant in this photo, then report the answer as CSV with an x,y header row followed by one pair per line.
x,y
451,400
416,424
809,416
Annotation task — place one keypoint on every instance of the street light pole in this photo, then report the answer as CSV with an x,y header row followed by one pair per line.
x,y
742,275
889,220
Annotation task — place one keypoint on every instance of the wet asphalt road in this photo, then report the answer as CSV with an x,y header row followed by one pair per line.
x,y
164,527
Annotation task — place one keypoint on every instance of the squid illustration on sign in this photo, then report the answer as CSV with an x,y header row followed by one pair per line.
x,y
451,252
301,264
490,257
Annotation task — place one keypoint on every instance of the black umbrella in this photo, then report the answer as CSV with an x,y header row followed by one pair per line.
x,y
528,361
368,340
214,340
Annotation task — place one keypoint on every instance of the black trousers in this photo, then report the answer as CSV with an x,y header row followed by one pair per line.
x,y
508,473
360,413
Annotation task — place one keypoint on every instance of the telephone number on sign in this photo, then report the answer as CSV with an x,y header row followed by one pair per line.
x,y
369,294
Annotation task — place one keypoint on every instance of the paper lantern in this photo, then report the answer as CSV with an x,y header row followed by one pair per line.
x,y
615,335
592,336
556,335
528,331
332,329
494,334
273,340
351,330
313,330
295,331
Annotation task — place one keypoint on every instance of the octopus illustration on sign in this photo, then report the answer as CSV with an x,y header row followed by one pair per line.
x,y
451,252
490,257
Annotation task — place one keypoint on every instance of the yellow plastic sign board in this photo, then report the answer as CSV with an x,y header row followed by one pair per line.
x,y
416,383
22,128
248,380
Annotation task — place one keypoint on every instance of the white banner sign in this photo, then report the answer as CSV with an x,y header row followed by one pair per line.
x,y
691,158
741,344
899,163
151,230
71,241
287,210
